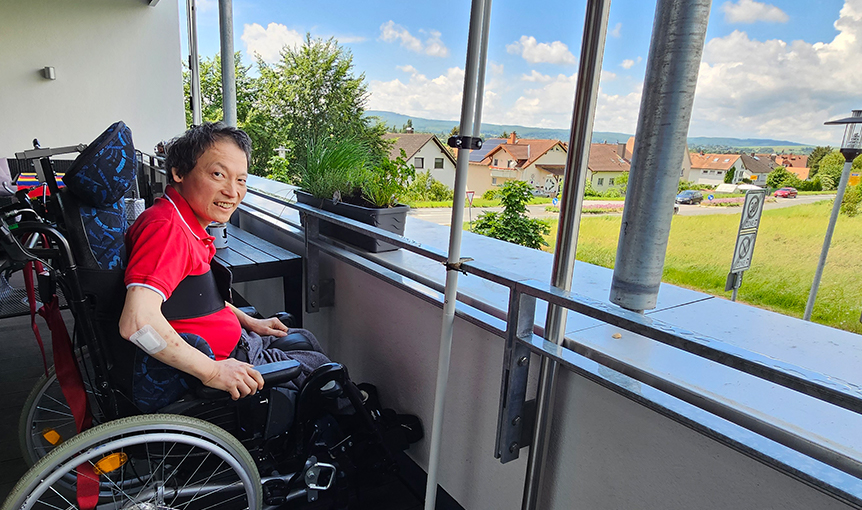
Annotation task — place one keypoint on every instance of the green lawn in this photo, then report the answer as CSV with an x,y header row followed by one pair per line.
x,y
785,256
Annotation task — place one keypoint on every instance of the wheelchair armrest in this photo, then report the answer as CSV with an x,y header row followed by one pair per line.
x,y
273,374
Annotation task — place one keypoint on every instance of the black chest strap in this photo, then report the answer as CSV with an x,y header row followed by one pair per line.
x,y
199,295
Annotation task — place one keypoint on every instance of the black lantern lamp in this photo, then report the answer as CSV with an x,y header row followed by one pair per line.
x,y
851,145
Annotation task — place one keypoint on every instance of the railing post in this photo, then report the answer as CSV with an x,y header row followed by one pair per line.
x,y
577,159
679,31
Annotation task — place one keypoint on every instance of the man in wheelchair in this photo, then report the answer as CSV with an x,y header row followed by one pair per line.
x,y
276,442
171,286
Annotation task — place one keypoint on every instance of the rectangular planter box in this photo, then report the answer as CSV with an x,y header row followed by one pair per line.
x,y
390,219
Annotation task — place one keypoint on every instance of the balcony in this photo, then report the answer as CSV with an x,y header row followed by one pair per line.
x,y
507,173
637,423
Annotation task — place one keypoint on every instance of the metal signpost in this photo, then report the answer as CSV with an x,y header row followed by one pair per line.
x,y
748,224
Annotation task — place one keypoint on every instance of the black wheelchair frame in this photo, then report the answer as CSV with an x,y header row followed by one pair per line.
x,y
303,449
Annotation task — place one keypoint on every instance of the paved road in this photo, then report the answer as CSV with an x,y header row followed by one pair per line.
x,y
443,215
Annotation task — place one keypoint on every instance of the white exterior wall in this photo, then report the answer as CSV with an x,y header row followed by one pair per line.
x,y
114,60
711,177
428,153
537,176
605,177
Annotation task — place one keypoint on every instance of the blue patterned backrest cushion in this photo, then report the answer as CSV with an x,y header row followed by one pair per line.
x,y
99,179
105,170
106,229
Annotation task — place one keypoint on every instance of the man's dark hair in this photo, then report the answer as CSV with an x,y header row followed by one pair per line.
x,y
183,152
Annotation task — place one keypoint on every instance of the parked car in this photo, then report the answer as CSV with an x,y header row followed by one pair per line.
x,y
689,196
787,192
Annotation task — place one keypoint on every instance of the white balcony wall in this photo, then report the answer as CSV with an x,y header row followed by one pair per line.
x,y
113,60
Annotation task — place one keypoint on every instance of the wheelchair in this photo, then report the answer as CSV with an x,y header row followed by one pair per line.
x,y
281,447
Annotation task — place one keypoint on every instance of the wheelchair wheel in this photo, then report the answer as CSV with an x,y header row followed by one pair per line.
x,y
150,462
46,420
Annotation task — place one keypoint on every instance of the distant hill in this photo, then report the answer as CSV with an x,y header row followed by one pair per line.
x,y
442,128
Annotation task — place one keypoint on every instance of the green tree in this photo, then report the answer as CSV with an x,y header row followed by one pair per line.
x,y
622,182
513,224
830,169
778,177
455,131
264,133
405,127
852,198
312,93
814,159
728,177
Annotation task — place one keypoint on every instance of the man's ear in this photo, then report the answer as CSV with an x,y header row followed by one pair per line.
x,y
175,175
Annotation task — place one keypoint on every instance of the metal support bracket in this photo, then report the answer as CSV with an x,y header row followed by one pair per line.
x,y
465,142
456,266
512,418
312,265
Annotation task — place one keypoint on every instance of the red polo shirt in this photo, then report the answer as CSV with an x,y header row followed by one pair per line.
x,y
166,244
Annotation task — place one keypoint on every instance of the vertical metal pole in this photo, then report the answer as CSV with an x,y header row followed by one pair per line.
x,y
476,46
577,159
833,218
228,69
679,31
737,283
194,62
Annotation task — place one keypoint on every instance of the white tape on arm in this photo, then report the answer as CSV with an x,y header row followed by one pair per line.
x,y
148,339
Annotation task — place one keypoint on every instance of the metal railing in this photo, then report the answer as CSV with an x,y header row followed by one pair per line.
x,y
521,340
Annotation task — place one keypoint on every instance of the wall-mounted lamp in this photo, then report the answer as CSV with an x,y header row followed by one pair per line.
x,y
48,73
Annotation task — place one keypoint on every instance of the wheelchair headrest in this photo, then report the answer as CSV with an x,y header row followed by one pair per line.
x,y
105,170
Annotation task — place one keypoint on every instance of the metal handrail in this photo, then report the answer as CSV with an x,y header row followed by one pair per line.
x,y
790,376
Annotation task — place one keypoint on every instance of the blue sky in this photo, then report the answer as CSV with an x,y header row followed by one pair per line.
x,y
770,69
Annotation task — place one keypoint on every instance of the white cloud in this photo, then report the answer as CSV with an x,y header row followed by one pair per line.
x,y
750,11
551,106
535,52
435,98
268,42
495,68
628,63
536,76
616,32
433,46
777,89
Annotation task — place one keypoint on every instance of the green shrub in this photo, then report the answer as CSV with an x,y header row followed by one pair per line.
x,y
590,192
852,198
425,188
277,169
684,185
612,193
513,224
491,194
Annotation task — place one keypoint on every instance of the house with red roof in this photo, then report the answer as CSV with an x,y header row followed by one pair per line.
x,y
606,165
426,153
537,161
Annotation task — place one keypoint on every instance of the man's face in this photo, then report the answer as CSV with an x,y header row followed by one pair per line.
x,y
216,185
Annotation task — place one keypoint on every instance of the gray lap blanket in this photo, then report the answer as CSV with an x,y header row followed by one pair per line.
x,y
255,349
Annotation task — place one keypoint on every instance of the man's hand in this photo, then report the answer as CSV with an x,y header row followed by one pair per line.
x,y
264,327
235,377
